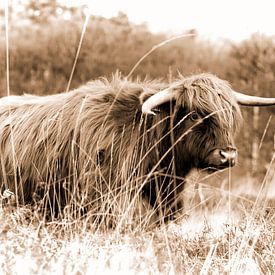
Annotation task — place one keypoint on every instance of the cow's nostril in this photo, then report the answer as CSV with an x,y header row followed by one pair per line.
x,y
228,156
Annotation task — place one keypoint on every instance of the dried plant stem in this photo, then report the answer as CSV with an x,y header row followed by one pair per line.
x,y
161,44
7,46
78,49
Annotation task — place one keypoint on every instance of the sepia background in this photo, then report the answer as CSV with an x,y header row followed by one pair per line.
x,y
44,37
233,39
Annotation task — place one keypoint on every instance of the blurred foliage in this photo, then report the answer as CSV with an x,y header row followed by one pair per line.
x,y
43,46
252,69
42,55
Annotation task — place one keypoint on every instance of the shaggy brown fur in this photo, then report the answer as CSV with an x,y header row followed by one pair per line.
x,y
92,146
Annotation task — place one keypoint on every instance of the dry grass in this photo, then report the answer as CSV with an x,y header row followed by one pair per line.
x,y
212,237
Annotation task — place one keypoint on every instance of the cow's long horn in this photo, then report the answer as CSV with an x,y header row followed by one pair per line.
x,y
156,100
248,100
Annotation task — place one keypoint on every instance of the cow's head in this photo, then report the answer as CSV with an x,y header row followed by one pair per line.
x,y
206,116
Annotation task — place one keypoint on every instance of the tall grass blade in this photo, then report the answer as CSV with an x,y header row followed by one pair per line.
x,y
79,48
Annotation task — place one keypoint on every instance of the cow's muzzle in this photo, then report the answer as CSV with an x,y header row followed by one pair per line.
x,y
222,158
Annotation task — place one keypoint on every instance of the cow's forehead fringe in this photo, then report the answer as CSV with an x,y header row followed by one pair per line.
x,y
209,95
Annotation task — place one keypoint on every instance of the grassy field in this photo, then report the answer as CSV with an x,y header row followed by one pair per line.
x,y
221,232
227,227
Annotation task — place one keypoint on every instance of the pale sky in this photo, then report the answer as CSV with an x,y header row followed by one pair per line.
x,y
233,19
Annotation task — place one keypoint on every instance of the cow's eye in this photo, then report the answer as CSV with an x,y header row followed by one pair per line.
x,y
194,116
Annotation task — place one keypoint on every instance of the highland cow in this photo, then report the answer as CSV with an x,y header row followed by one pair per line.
x,y
104,141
